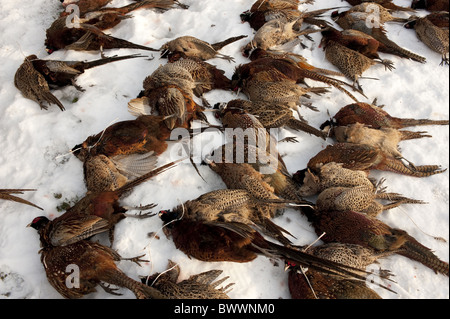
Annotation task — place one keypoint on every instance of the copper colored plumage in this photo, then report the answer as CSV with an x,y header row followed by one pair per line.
x,y
431,5
375,117
237,242
86,37
146,133
358,41
358,21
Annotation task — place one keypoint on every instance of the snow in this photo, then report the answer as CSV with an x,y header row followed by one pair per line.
x,y
35,148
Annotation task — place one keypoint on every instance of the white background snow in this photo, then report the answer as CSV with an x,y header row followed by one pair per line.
x,y
34,147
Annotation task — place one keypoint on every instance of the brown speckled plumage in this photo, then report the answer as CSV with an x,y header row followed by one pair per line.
x,y
33,85
437,39
331,175
200,286
194,47
315,285
362,199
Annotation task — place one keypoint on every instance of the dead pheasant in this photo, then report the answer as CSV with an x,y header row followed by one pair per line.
x,y
388,4
236,205
386,139
61,73
95,213
331,175
33,85
289,70
382,13
358,21
258,16
272,86
375,117
194,47
265,168
85,37
272,115
361,199
108,17
367,157
206,76
311,284
199,286
351,63
297,59
277,34
357,41
356,228
437,39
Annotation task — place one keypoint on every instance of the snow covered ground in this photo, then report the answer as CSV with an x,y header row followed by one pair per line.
x,y
35,147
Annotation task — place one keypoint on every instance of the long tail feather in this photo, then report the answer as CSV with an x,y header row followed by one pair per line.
x,y
219,45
